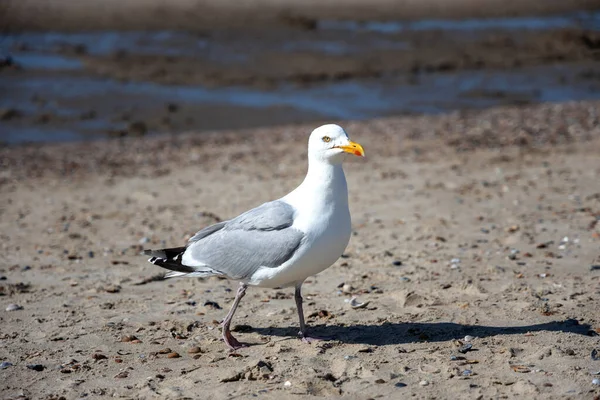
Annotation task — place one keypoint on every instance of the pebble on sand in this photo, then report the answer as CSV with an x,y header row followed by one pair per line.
x,y
354,303
128,338
465,348
35,367
13,307
347,288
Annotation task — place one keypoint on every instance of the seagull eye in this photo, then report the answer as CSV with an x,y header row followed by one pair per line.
x,y
326,139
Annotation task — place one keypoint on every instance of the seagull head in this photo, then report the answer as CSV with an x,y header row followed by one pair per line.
x,y
328,143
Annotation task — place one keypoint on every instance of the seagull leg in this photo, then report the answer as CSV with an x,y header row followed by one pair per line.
x,y
303,330
227,336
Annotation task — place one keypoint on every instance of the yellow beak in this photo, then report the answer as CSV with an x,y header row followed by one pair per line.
x,y
353,148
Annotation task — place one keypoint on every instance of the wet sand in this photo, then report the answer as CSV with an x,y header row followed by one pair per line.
x,y
194,15
476,223
96,84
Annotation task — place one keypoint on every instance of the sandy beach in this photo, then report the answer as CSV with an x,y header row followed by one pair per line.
x,y
476,245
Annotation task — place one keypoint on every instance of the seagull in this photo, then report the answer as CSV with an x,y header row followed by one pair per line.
x,y
279,243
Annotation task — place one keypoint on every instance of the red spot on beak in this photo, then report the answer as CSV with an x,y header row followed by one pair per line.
x,y
357,153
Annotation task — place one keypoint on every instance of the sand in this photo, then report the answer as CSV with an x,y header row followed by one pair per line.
x,y
480,224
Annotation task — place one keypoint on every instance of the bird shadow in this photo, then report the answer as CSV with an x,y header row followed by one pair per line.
x,y
400,333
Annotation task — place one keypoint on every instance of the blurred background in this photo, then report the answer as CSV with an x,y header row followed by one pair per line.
x,y
82,70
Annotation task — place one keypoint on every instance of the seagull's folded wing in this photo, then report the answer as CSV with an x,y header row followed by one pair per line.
x,y
261,237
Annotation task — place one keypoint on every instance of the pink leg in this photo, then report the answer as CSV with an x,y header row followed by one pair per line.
x,y
232,342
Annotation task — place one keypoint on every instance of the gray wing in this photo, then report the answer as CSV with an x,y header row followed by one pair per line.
x,y
261,237
209,230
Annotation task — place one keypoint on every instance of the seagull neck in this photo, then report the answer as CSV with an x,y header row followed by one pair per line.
x,y
323,181
323,173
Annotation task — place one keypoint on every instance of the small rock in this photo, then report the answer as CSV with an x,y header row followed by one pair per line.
x,y
595,268
35,367
173,355
595,356
596,381
287,384
5,364
321,314
512,229
165,351
128,338
112,288
347,288
121,375
98,356
380,381
397,263
366,350
521,369
424,383
264,368
468,338
194,350
13,307
400,385
465,348
212,304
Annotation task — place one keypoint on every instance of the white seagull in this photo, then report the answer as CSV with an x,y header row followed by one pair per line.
x,y
282,242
